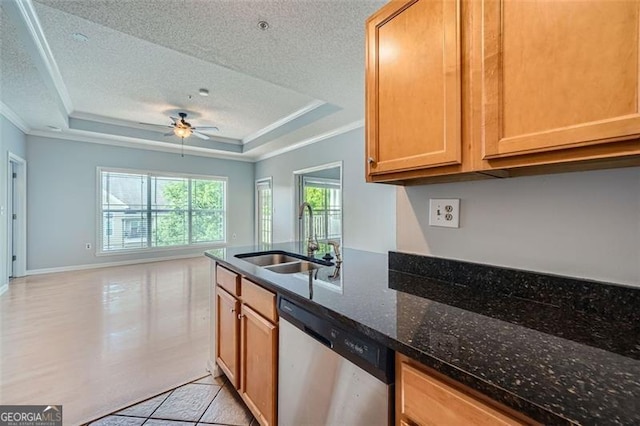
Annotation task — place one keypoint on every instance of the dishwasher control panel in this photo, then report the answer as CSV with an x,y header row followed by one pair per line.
x,y
370,352
367,354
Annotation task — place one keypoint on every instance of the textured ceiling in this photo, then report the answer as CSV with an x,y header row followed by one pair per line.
x,y
147,82
21,86
144,57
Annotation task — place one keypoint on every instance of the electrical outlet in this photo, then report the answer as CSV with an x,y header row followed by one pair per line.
x,y
88,246
444,212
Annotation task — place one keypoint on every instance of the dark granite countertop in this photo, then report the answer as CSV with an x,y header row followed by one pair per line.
x,y
550,347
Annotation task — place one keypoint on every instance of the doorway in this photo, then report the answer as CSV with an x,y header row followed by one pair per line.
x,y
16,216
264,211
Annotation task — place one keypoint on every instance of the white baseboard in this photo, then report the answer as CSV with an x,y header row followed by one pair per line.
x,y
4,288
109,264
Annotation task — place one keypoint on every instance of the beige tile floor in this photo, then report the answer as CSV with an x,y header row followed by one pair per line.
x,y
204,401
98,340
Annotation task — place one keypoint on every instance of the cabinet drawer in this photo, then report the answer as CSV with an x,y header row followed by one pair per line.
x,y
425,399
228,280
261,300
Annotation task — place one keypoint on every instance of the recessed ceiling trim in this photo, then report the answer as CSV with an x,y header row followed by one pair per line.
x,y
284,120
25,18
14,118
335,132
138,126
171,147
111,131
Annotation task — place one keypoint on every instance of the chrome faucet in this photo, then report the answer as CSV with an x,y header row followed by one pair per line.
x,y
312,243
336,250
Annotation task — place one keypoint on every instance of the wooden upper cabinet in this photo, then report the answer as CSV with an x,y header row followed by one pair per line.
x,y
413,101
557,75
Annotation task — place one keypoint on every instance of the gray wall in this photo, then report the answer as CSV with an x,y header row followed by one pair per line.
x,y
369,213
11,140
62,197
583,224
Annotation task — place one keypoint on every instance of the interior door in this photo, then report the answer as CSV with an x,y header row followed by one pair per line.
x,y
264,211
13,209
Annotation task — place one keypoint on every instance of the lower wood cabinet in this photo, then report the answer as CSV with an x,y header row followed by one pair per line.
x,y
423,397
259,361
247,344
228,335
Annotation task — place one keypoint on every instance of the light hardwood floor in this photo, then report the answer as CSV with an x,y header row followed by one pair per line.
x,y
99,340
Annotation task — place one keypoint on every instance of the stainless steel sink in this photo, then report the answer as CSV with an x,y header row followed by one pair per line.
x,y
293,268
283,262
270,259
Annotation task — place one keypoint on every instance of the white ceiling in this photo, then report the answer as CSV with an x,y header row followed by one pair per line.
x,y
298,81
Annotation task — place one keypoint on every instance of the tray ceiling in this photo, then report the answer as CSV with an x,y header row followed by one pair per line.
x,y
145,60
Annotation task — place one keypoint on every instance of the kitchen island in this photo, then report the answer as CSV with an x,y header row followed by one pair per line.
x,y
555,349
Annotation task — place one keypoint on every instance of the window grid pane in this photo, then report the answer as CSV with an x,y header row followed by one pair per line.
x,y
324,197
142,211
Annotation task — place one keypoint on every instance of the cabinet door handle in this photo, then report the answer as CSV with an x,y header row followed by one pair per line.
x,y
371,160
240,316
232,309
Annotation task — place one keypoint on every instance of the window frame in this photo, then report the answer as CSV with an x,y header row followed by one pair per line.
x,y
298,196
157,173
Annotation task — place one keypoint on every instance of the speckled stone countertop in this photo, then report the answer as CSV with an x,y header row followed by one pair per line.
x,y
557,349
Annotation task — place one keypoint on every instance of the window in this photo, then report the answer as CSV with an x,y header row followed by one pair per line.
x,y
325,198
142,210
264,208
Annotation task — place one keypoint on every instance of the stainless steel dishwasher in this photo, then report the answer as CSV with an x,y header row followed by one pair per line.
x,y
330,376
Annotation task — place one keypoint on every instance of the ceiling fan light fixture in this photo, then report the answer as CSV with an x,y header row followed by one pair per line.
x,y
182,132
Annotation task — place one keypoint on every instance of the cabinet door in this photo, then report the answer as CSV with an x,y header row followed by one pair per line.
x,y
227,335
413,111
259,358
558,74
426,400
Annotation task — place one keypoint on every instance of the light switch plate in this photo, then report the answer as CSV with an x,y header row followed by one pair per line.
x,y
444,212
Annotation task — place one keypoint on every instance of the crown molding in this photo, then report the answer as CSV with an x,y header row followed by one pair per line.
x,y
141,144
335,132
284,120
88,117
30,30
14,118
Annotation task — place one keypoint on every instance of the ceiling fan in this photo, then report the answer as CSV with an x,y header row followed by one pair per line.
x,y
183,129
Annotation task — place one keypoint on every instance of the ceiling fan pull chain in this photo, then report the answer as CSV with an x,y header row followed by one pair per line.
x,y
182,147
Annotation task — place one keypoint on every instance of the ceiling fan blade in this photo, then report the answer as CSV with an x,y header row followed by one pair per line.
x,y
207,128
169,134
200,135
175,119
155,125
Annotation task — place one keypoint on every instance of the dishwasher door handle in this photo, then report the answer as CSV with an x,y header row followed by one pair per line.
x,y
318,337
